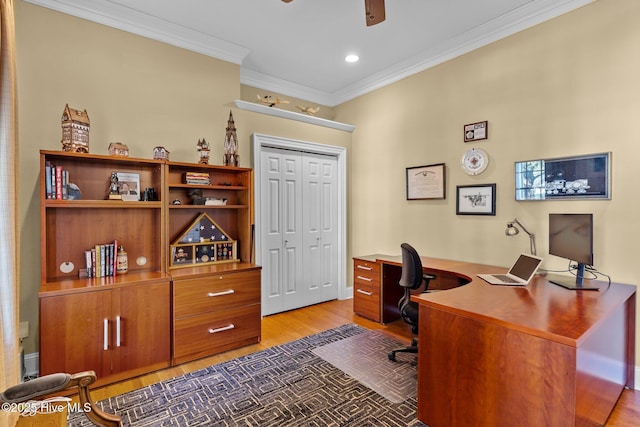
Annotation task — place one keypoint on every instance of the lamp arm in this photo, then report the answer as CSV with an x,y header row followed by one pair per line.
x,y
532,237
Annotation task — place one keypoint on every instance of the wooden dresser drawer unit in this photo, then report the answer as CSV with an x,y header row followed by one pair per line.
x,y
215,313
215,332
204,294
366,288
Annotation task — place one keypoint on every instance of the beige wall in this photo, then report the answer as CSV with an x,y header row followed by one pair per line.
x,y
566,87
137,91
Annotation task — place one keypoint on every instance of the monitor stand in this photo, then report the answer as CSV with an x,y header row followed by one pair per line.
x,y
576,284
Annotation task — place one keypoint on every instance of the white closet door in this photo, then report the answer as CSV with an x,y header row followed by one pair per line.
x,y
299,213
282,210
320,216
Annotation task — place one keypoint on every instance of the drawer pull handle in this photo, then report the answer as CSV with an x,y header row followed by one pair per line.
x,y
117,331
219,294
224,328
105,340
362,267
365,292
366,279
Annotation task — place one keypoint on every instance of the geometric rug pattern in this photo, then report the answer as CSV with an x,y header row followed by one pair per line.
x,y
286,385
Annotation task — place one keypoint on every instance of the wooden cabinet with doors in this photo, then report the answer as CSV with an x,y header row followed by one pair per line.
x,y
216,305
117,331
117,325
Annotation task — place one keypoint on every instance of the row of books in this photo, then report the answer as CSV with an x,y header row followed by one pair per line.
x,y
56,181
197,178
102,260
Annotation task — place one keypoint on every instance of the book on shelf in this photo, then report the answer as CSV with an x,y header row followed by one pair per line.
x,y
101,260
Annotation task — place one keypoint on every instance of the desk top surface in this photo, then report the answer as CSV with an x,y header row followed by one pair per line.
x,y
540,308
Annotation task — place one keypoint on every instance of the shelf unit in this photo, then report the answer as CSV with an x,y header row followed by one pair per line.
x,y
216,307
128,324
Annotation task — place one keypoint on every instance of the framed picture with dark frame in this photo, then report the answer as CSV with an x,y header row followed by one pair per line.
x,y
476,131
564,178
426,182
476,199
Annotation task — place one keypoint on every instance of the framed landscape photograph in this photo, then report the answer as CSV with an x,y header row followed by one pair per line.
x,y
426,182
476,199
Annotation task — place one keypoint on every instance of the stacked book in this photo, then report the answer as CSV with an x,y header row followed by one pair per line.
x,y
197,178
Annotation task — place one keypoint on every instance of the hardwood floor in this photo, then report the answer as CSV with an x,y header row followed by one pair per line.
x,y
284,327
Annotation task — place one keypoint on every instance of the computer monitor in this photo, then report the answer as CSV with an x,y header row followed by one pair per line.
x,y
571,237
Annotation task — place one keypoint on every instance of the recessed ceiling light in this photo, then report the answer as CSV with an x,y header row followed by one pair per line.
x,y
351,58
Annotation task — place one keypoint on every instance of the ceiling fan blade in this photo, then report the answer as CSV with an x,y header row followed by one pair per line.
x,y
374,10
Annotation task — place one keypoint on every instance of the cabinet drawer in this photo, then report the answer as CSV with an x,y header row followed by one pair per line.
x,y
221,291
215,332
366,301
366,272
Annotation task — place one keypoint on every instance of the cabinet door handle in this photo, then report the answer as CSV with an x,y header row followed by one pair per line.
x,y
105,341
366,279
362,267
364,292
219,294
224,328
117,331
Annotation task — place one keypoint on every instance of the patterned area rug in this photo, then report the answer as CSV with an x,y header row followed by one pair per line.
x,y
286,385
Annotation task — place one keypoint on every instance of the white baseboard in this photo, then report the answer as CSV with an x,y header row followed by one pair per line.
x,y
31,364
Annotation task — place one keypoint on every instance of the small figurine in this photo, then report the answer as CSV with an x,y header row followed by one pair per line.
x,y
114,187
75,130
203,149
231,156
309,110
271,101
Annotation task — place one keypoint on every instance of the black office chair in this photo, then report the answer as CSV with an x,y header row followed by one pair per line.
x,y
412,279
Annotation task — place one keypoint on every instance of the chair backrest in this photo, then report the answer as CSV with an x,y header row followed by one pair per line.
x,y
411,267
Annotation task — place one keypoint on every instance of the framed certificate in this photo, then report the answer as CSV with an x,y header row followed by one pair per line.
x,y
426,182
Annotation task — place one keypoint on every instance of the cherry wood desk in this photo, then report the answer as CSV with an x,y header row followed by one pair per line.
x,y
539,355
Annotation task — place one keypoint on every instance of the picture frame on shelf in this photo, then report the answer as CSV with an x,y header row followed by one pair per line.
x,y
426,182
476,131
129,186
477,199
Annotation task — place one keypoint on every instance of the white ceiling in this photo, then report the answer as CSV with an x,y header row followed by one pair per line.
x,y
298,48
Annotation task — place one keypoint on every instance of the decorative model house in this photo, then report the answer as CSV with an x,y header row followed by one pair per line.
x,y
203,242
75,130
231,156
160,153
118,149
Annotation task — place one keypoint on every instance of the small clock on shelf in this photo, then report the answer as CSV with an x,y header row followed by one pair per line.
x,y
475,161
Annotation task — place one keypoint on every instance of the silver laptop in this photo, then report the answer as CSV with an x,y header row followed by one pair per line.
x,y
519,274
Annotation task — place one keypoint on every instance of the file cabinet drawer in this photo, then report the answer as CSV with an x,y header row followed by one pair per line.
x,y
215,332
366,272
366,301
216,292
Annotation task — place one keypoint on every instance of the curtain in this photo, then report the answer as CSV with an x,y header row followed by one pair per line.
x,y
9,360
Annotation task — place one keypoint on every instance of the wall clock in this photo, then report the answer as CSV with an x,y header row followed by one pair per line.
x,y
475,161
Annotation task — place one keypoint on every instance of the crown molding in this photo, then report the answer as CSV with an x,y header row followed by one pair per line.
x,y
132,21
110,14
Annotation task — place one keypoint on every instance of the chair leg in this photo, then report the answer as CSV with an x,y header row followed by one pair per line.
x,y
413,348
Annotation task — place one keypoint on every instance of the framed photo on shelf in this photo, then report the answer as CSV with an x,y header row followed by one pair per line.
x,y
129,184
476,199
426,182
476,131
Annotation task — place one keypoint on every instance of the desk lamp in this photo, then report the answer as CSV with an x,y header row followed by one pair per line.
x,y
512,230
